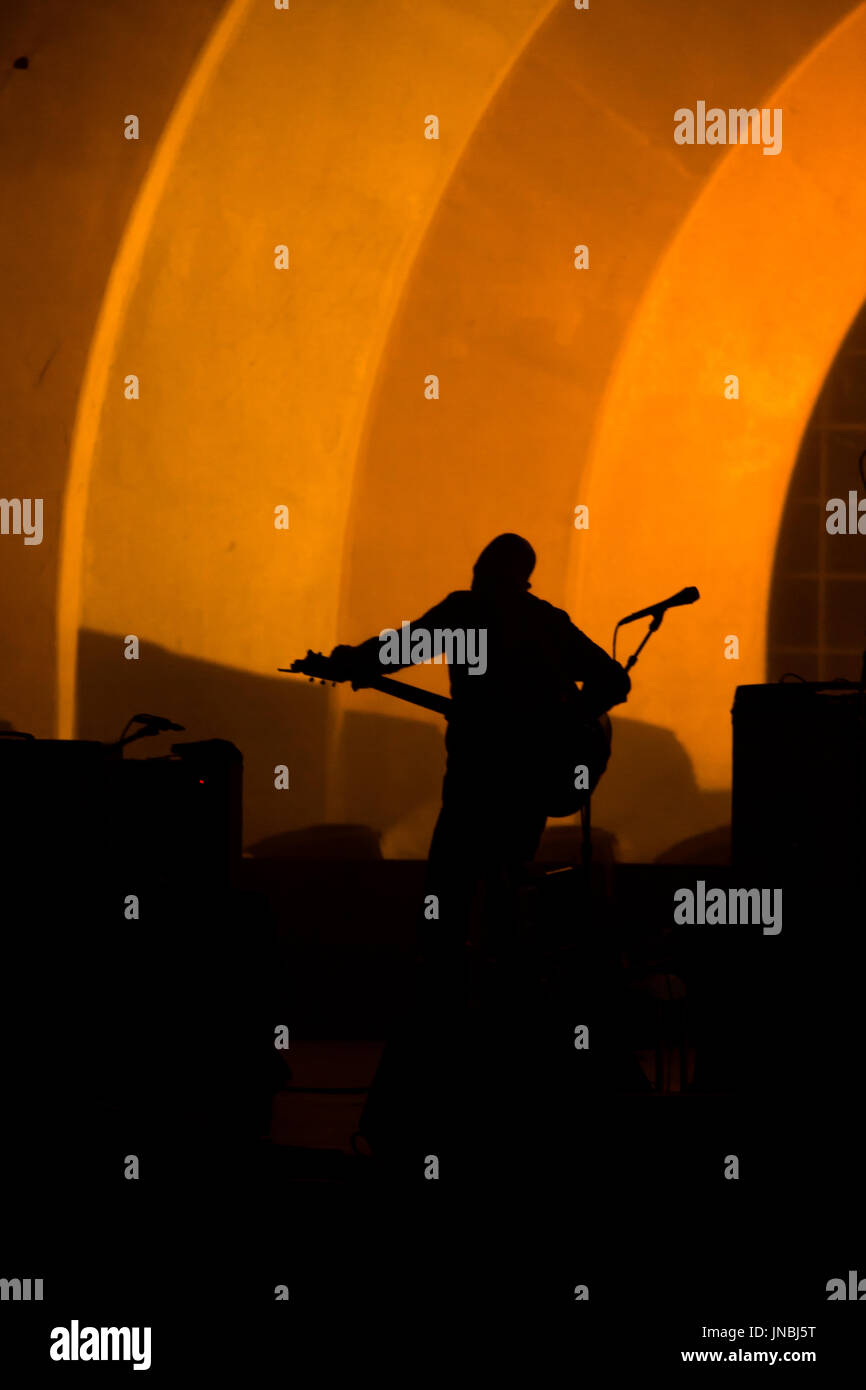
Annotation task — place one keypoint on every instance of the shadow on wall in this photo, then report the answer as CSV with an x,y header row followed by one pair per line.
x,y
390,774
649,796
389,766
390,769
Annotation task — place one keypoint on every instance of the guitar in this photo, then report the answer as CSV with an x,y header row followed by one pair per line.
x,y
573,739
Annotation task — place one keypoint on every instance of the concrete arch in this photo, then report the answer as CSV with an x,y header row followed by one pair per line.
x,y
166,270
101,358
576,147
762,280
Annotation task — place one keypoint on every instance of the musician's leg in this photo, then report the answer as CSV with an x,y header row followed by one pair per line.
x,y
487,832
517,841
450,885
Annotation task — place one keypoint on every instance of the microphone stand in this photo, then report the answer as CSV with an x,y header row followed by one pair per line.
x,y
585,810
585,814
653,627
149,729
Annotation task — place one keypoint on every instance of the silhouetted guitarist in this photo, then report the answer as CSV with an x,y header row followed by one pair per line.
x,y
494,801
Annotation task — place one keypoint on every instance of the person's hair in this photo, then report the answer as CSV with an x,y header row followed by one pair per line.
x,y
507,562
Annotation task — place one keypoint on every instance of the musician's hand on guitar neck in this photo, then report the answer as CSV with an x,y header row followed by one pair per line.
x,y
342,662
345,664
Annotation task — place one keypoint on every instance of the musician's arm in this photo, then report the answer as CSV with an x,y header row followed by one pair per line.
x,y
605,681
363,664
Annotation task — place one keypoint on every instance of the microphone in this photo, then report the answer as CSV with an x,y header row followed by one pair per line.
x,y
655,610
156,722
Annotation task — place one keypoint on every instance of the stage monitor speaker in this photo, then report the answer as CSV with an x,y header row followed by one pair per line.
x,y
798,780
73,811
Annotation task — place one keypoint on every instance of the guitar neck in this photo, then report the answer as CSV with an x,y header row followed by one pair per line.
x,y
440,704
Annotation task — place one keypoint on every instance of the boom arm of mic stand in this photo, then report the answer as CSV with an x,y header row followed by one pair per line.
x,y
146,732
653,627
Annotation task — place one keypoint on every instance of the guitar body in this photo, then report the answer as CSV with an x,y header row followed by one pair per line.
x,y
574,744
570,741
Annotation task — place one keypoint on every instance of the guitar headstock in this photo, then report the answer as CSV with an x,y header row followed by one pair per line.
x,y
317,666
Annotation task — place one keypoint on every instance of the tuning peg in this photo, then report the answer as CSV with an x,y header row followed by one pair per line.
x,y
323,682
312,680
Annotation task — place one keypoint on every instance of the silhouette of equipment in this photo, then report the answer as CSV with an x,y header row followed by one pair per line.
x,y
79,802
656,611
689,595
798,783
118,877
151,725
